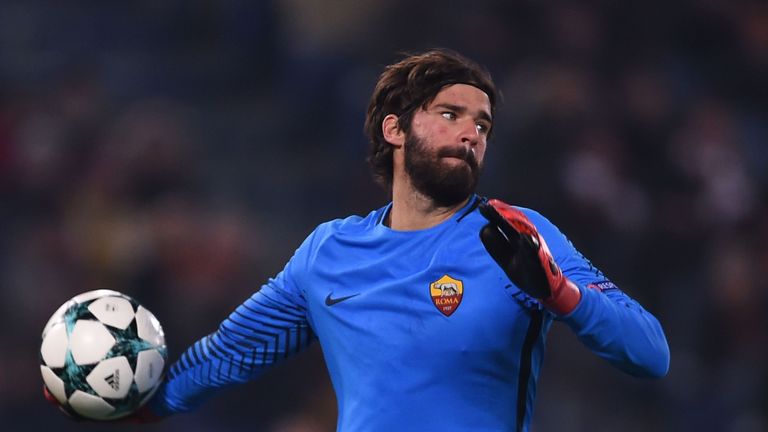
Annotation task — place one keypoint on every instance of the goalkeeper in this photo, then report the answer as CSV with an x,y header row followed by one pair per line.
x,y
432,311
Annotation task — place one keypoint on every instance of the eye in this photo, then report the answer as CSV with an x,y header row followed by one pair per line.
x,y
483,127
449,115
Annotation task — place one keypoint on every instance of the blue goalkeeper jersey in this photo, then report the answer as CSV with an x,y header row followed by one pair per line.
x,y
421,330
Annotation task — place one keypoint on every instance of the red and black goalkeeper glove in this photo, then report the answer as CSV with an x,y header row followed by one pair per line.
x,y
515,244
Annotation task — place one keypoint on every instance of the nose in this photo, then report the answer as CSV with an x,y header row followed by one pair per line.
x,y
469,133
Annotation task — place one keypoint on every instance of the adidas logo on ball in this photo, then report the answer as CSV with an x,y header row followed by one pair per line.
x,y
114,379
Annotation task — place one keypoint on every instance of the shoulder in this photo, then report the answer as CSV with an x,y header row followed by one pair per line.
x,y
325,237
559,244
350,226
556,240
541,222
353,224
546,228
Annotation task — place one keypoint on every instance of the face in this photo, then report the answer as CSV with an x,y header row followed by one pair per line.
x,y
444,150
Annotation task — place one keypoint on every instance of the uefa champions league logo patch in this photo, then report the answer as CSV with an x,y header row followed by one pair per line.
x,y
446,294
603,286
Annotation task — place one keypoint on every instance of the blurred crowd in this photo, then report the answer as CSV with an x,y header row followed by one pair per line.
x,y
180,151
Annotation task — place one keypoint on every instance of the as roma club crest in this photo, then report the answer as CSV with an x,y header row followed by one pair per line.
x,y
446,294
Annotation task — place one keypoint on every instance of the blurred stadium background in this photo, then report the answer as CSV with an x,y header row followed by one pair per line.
x,y
180,151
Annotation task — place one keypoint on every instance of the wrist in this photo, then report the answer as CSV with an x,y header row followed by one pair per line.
x,y
564,298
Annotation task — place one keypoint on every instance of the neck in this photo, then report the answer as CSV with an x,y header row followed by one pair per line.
x,y
412,210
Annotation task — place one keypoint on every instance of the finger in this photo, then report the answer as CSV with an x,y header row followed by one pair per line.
x,y
492,214
498,245
515,220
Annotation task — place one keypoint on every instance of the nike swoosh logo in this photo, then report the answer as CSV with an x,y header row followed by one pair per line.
x,y
332,301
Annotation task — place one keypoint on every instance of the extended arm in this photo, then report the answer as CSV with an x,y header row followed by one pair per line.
x,y
267,328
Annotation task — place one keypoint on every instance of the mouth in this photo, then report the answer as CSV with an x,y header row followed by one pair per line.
x,y
456,157
463,154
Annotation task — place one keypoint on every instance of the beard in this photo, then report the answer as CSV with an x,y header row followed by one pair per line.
x,y
446,184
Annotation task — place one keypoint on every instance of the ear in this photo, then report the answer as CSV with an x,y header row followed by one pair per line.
x,y
390,128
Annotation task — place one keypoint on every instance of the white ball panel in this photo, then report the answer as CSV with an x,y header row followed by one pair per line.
x,y
54,347
148,396
55,384
149,327
90,406
113,311
90,295
149,369
111,378
57,317
90,341
80,298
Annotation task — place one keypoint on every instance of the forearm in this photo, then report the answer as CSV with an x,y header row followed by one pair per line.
x,y
260,333
187,384
618,329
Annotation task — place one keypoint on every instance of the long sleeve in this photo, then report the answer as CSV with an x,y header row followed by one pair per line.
x,y
609,322
618,329
268,327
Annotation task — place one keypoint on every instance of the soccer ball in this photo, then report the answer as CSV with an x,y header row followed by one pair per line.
x,y
102,355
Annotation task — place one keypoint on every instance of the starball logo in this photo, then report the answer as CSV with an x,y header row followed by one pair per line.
x,y
446,294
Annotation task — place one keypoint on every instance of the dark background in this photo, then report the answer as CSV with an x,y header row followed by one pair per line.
x,y
179,152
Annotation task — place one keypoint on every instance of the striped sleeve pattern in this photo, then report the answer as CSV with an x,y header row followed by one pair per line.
x,y
266,328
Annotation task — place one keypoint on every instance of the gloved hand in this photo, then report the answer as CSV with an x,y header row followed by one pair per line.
x,y
516,246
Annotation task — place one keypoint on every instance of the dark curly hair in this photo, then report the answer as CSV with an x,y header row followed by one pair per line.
x,y
408,85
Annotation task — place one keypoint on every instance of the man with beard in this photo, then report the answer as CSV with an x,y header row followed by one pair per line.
x,y
431,311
